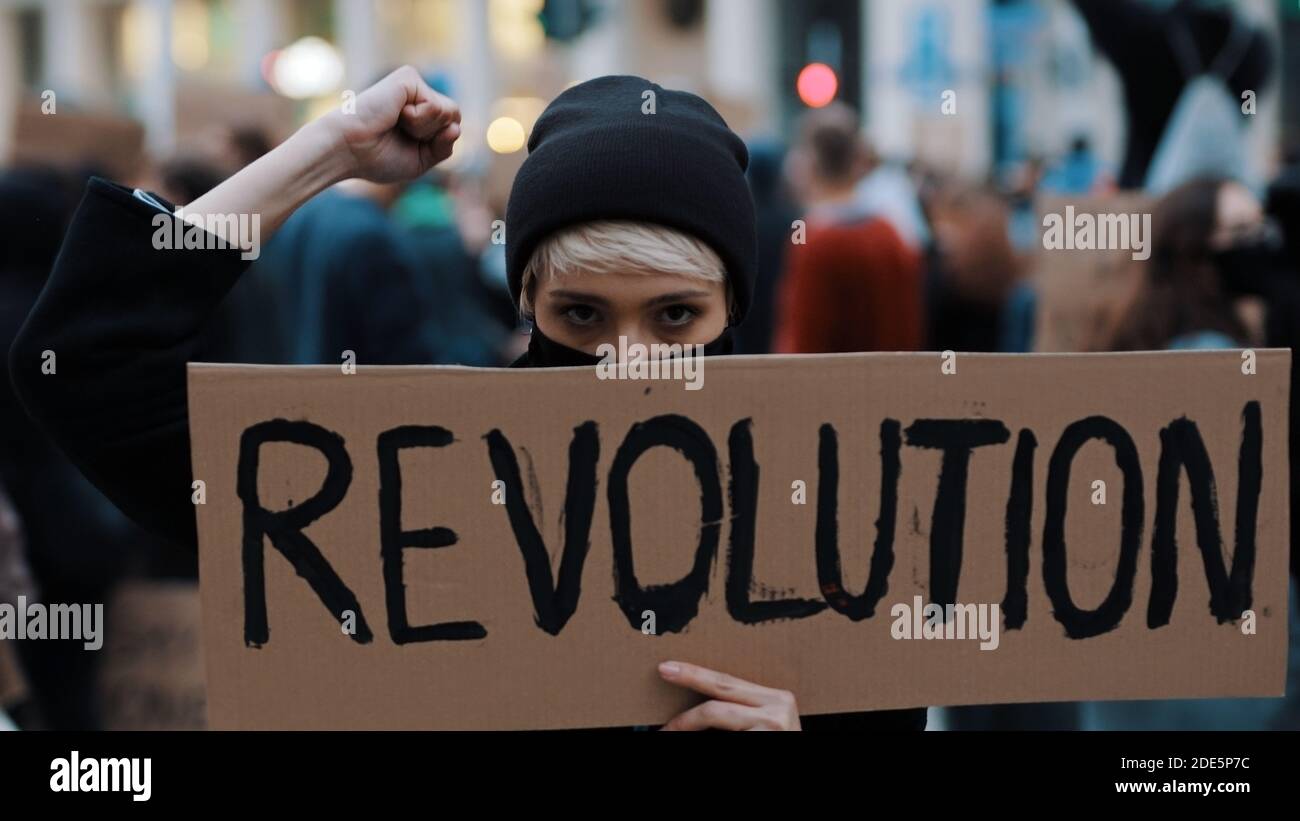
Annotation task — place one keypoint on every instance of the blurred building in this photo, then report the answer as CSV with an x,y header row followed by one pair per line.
x,y
178,66
1021,75
1027,82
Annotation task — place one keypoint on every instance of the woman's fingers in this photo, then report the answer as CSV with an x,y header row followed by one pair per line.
x,y
431,119
439,148
719,715
425,119
735,704
717,685
390,97
426,112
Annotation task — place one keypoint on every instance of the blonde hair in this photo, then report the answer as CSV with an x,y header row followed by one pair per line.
x,y
619,246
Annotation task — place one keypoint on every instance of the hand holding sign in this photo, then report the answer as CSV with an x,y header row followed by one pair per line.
x,y
734,704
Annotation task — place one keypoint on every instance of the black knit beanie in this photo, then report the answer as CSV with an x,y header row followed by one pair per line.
x,y
594,155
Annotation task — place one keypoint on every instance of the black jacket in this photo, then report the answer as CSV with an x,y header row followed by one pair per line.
x,y
122,319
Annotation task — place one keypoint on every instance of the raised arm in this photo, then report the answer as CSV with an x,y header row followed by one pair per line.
x,y
100,362
400,128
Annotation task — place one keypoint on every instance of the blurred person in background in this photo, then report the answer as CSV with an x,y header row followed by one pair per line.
x,y
1078,172
1018,314
482,196
346,279
462,311
973,269
1284,208
775,213
244,144
1185,299
887,191
1025,181
852,284
1159,49
185,178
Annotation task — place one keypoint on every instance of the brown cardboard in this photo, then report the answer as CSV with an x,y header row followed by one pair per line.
x,y
205,111
1083,292
151,674
69,139
599,670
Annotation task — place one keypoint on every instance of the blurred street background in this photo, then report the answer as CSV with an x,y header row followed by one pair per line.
x,y
921,140
1026,73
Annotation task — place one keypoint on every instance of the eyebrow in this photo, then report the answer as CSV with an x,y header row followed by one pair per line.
x,y
580,296
675,296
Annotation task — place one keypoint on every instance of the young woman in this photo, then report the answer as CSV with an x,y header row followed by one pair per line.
x,y
1193,292
630,218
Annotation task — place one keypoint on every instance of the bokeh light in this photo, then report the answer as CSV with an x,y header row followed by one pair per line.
x,y
505,135
817,85
309,67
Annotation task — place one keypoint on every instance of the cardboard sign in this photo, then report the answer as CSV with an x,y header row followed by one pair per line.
x,y
439,547
70,139
151,676
1083,292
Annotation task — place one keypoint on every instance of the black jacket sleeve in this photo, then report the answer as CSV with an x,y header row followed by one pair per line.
x,y
100,362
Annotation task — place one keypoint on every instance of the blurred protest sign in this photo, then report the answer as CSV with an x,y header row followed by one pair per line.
x,y
1083,291
106,143
205,112
151,674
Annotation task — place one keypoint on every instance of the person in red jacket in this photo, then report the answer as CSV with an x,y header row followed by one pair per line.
x,y
850,284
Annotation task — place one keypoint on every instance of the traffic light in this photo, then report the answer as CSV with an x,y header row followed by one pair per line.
x,y
817,85
821,55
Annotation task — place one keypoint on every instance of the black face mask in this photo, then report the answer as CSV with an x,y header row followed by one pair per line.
x,y
1247,267
547,353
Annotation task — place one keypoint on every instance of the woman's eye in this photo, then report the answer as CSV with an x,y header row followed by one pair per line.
x,y
678,314
581,314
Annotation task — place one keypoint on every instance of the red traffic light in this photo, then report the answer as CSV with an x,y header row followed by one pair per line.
x,y
817,85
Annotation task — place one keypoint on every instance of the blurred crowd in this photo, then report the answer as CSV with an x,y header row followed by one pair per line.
x,y
858,252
